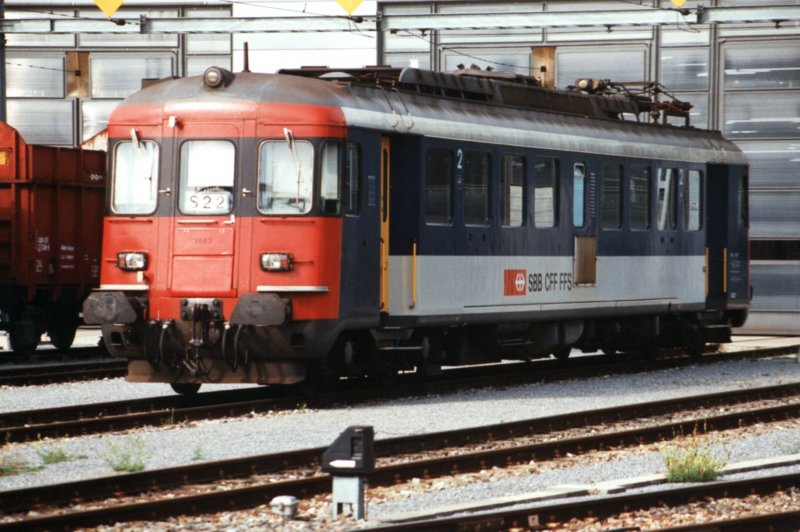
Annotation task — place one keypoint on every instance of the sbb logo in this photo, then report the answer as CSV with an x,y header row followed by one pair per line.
x,y
514,282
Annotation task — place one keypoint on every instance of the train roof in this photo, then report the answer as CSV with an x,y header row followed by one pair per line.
x,y
489,108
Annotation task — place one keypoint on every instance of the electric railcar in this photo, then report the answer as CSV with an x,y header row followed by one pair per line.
x,y
271,228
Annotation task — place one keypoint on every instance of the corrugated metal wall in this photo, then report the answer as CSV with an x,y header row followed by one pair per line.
x,y
62,88
50,104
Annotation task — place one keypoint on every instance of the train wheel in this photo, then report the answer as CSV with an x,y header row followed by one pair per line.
x,y
62,333
315,384
385,375
563,353
696,348
185,388
648,353
23,337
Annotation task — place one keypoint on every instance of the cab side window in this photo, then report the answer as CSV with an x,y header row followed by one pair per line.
x,y
329,179
285,177
135,177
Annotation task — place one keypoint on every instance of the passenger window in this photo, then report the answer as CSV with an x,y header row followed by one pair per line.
x,y
438,186
206,177
329,177
352,173
639,198
135,183
611,196
512,184
285,177
693,199
742,205
476,188
667,202
545,192
579,195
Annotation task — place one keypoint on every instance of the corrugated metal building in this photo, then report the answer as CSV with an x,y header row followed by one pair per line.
x,y
742,77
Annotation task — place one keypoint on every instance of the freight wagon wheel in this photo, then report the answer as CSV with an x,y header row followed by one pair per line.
x,y
185,388
23,337
62,332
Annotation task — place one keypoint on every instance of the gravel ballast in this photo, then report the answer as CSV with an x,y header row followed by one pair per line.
x,y
280,431
632,464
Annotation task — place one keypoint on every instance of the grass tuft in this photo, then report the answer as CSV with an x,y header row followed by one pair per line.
x,y
129,456
692,462
55,454
198,454
11,464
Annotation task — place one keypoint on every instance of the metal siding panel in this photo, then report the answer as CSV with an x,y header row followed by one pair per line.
x,y
773,163
35,75
118,75
758,115
601,62
767,322
776,286
774,214
43,121
94,117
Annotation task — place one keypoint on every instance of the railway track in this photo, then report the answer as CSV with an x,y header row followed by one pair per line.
x,y
64,372
32,425
594,511
75,369
399,460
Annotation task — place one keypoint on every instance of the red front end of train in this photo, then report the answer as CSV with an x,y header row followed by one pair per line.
x,y
222,247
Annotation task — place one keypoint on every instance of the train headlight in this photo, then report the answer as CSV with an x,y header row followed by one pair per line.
x,y
276,262
132,261
216,77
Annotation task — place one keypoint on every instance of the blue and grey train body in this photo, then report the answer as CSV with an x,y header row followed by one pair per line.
x,y
547,222
271,227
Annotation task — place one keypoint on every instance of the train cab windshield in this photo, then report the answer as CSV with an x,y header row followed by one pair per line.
x,y
285,177
206,176
135,183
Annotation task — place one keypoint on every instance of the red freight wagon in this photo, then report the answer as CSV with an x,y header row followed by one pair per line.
x,y
51,211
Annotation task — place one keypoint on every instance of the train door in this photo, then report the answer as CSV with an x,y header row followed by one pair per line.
x,y
583,223
727,273
384,223
204,226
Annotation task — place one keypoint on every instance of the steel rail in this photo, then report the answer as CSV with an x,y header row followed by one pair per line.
x,y
774,522
32,425
121,415
238,498
69,372
543,516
